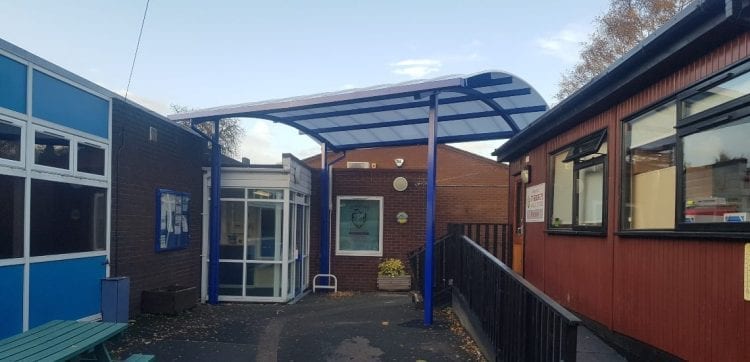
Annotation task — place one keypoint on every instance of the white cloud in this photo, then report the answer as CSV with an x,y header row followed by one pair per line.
x,y
416,68
264,142
256,145
564,44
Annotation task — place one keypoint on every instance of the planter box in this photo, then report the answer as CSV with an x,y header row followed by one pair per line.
x,y
168,300
399,283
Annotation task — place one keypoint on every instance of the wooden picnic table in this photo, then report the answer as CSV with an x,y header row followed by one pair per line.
x,y
61,341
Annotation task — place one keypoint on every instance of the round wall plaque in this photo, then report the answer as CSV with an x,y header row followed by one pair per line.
x,y
400,183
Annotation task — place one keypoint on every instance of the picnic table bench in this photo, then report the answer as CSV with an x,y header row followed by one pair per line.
x,y
61,341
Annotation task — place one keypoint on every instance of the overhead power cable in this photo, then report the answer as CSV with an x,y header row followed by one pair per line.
x,y
135,55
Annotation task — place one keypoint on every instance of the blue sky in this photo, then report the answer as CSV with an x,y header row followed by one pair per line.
x,y
211,53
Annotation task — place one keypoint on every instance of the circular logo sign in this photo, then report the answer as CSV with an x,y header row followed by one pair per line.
x,y
400,183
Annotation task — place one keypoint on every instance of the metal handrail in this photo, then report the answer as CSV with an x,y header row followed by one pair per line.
x,y
538,293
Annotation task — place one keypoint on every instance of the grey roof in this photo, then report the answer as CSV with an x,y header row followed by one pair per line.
x,y
482,106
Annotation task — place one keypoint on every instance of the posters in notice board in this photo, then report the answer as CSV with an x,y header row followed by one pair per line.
x,y
535,203
172,225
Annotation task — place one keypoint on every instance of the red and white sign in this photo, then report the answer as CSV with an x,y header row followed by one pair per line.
x,y
535,203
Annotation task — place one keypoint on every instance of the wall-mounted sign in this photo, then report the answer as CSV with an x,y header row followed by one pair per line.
x,y
402,217
400,183
535,203
360,227
172,209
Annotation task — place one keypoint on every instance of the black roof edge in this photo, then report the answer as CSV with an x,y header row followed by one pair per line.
x,y
700,26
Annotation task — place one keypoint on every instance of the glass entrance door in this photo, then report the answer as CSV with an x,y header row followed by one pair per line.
x,y
250,253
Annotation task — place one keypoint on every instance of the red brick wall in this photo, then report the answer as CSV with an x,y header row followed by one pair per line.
x,y
360,272
471,188
139,168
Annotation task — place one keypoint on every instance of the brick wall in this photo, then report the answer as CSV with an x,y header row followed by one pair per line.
x,y
360,272
139,168
471,188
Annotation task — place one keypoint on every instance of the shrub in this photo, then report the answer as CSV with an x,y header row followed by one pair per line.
x,y
391,267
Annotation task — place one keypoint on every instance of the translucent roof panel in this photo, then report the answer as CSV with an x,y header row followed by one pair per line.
x,y
483,106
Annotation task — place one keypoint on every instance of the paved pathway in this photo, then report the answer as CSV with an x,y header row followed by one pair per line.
x,y
362,327
593,349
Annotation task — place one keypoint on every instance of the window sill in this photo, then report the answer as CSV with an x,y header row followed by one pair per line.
x,y
678,234
575,232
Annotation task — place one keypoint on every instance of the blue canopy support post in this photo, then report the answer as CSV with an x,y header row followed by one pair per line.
x,y
214,226
324,214
430,222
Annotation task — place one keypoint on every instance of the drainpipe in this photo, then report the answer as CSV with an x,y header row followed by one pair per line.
x,y
214,226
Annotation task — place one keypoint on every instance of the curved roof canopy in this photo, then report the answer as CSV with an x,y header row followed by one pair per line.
x,y
483,106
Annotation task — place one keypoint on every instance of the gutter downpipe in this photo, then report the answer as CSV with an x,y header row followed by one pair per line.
x,y
214,226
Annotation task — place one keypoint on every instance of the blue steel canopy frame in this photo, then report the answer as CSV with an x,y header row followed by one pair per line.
x,y
484,106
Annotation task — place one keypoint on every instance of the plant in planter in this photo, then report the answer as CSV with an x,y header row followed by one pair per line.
x,y
392,275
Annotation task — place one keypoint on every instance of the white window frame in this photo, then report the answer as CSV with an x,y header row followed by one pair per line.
x,y
20,164
74,141
339,251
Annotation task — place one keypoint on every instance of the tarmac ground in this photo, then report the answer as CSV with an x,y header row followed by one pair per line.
x,y
319,327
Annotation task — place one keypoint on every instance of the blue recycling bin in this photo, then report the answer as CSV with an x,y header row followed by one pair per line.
x,y
115,299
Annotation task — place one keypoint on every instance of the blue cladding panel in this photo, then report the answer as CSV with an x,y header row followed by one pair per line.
x,y
61,103
12,85
65,289
11,302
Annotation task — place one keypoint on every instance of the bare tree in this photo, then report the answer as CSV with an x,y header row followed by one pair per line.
x,y
624,25
230,131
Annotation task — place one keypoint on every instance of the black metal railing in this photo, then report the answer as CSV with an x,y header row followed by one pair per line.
x,y
440,287
520,322
494,238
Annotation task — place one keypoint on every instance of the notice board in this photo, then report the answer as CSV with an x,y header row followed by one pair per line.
x,y
172,214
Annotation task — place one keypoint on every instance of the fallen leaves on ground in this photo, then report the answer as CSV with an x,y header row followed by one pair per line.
x,y
341,294
467,343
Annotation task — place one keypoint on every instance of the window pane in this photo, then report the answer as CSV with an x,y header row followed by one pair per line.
x,y
11,216
264,230
359,225
650,180
591,195
10,142
265,194
232,242
562,192
230,279
52,151
717,179
90,159
263,280
717,95
67,218
232,193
